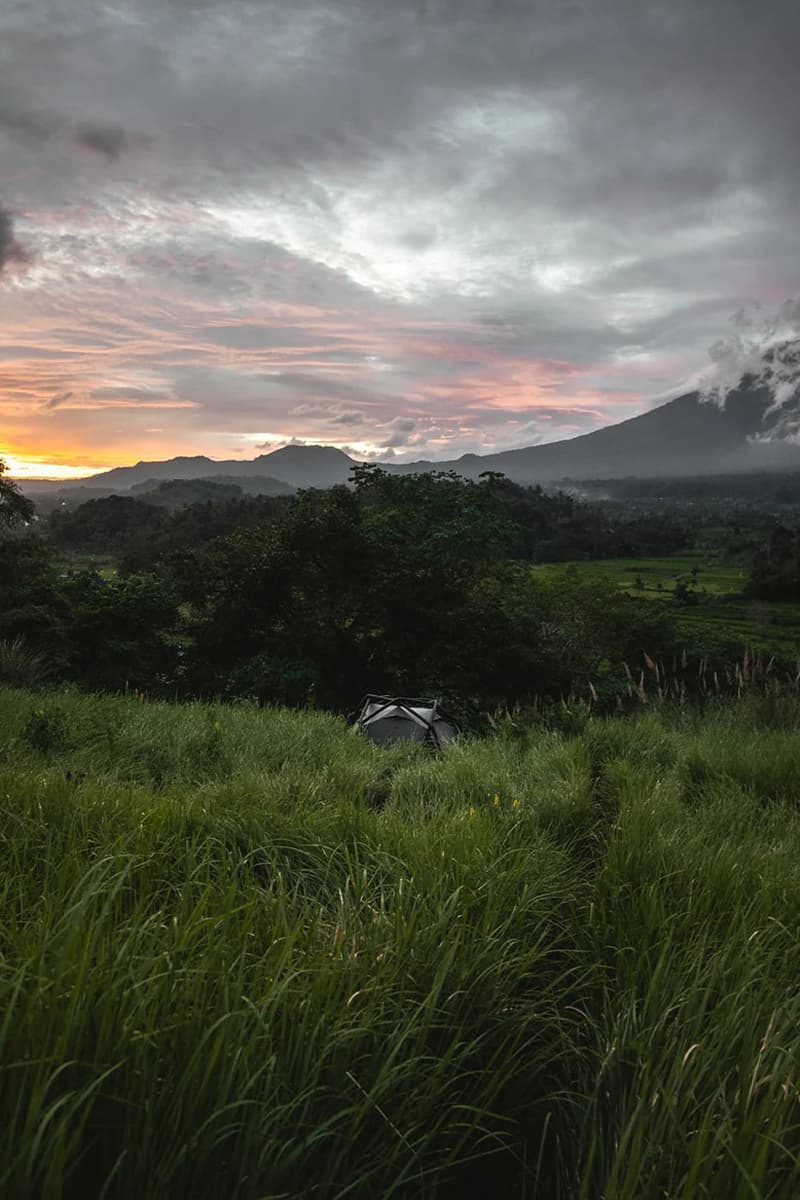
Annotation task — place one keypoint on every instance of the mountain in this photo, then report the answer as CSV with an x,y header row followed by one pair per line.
x,y
295,466
686,436
305,466
756,428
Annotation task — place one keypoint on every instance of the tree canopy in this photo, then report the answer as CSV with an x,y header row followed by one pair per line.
x,y
14,507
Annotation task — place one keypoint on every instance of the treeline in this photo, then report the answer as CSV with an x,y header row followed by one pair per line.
x,y
398,583
761,488
141,533
415,583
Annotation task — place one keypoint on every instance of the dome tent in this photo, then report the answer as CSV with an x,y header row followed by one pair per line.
x,y
389,719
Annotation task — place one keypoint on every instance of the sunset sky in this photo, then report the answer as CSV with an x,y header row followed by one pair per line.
x,y
407,229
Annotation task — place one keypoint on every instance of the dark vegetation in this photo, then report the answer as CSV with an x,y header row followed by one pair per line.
x,y
177,493
776,567
140,534
755,489
400,583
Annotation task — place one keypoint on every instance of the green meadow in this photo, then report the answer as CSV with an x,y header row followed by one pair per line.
x,y
104,564
721,615
244,954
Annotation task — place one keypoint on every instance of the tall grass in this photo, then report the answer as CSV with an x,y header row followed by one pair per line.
x,y
245,954
19,665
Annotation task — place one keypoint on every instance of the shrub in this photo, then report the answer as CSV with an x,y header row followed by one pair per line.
x,y
47,730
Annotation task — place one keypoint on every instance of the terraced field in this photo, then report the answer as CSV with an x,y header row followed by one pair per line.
x,y
721,614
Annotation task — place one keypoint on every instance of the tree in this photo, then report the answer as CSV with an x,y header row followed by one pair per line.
x,y
14,507
121,632
776,567
401,584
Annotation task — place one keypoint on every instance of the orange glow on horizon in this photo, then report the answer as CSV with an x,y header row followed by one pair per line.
x,y
42,468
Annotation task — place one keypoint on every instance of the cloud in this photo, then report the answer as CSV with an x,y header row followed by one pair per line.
x,y
328,413
109,141
764,347
401,432
348,418
10,249
465,214
57,400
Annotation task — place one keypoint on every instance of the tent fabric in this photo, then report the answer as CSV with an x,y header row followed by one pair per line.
x,y
389,719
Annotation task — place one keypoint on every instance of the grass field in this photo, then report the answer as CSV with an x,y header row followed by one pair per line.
x,y
104,564
721,611
713,577
244,955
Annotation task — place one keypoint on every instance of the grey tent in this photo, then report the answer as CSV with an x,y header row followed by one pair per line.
x,y
388,719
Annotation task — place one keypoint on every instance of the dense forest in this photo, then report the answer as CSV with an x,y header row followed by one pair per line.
x,y
402,583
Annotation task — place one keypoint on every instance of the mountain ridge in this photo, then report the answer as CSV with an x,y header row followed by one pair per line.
x,y
757,427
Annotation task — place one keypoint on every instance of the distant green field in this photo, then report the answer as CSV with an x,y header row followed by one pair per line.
x,y
104,564
721,610
712,577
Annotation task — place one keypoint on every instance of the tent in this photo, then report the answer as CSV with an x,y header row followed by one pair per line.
x,y
388,719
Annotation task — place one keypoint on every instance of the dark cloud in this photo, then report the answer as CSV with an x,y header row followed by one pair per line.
x,y
24,125
10,249
349,418
57,400
109,141
25,122
401,433
319,386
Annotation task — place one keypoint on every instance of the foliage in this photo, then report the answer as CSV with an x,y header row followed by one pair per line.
x,y
14,507
105,522
19,666
398,583
549,964
143,534
776,567
106,633
121,632
32,605
401,584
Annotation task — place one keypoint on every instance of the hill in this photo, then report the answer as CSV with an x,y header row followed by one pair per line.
x,y
291,467
177,493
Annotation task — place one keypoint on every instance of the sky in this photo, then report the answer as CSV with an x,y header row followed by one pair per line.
x,y
411,230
